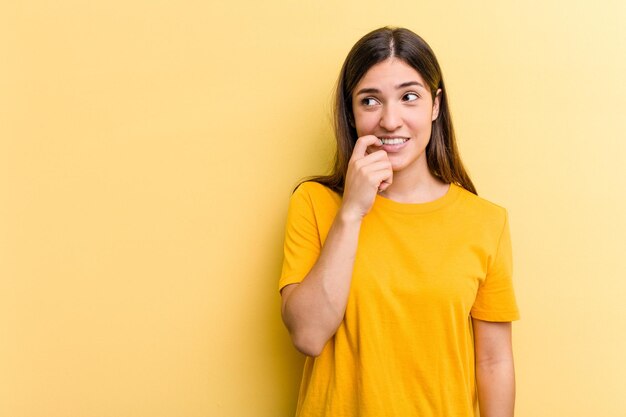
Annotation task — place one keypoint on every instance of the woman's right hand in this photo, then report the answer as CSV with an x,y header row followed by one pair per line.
x,y
369,172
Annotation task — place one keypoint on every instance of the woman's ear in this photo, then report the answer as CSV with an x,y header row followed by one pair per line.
x,y
436,103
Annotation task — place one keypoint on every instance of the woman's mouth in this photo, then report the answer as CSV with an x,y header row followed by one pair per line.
x,y
392,145
393,141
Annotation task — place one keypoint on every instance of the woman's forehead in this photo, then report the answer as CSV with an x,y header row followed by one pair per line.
x,y
390,73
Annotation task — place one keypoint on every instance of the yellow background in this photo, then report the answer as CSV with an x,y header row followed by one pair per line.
x,y
148,150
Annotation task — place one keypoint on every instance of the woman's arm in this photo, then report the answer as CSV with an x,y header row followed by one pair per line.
x,y
495,374
313,309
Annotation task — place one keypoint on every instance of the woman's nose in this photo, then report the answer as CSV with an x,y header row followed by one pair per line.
x,y
390,119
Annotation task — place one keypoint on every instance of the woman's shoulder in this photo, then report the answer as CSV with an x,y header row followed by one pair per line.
x,y
316,195
315,190
314,204
481,207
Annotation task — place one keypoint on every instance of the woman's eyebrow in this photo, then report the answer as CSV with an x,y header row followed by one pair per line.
x,y
399,86
368,91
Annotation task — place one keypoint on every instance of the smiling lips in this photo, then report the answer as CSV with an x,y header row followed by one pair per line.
x,y
393,141
393,144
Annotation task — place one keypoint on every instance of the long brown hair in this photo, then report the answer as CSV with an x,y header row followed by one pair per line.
x,y
442,154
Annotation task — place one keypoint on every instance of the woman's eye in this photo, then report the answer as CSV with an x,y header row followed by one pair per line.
x,y
369,101
410,97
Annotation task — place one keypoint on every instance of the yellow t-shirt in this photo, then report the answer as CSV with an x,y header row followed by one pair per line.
x,y
405,346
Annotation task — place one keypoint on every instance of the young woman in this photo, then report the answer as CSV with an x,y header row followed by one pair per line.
x,y
396,280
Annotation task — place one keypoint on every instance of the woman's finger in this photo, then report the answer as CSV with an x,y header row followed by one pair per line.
x,y
361,145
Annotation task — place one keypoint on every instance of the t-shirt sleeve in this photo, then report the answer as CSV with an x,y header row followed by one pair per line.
x,y
302,238
495,300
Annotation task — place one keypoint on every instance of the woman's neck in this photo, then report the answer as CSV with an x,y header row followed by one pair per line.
x,y
417,186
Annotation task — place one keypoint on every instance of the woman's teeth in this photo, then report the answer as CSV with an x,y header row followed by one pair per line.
x,y
394,141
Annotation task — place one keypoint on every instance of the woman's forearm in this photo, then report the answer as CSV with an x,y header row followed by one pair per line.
x,y
496,388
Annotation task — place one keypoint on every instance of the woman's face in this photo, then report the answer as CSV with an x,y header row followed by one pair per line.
x,y
393,103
